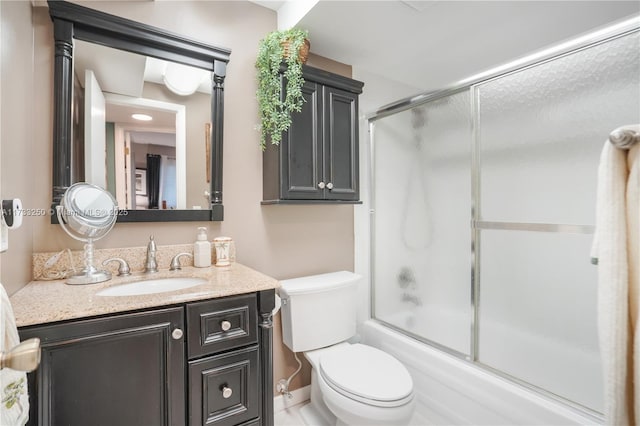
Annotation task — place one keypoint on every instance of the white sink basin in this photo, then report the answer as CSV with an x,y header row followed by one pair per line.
x,y
159,285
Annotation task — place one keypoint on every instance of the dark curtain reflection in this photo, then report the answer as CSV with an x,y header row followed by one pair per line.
x,y
153,179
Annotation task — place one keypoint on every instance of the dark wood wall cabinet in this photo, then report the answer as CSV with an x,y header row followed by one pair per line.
x,y
201,363
317,160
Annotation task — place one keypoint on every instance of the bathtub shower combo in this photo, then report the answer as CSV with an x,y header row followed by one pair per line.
x,y
482,213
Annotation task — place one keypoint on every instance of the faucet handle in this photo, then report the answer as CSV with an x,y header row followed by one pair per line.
x,y
175,262
123,269
152,244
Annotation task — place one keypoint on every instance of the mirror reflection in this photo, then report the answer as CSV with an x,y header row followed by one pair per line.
x,y
137,123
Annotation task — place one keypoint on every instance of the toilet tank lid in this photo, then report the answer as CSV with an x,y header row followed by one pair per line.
x,y
317,283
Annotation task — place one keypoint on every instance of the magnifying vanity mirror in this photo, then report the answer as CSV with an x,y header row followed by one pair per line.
x,y
109,70
87,213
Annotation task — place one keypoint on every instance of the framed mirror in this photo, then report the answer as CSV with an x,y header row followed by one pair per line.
x,y
107,69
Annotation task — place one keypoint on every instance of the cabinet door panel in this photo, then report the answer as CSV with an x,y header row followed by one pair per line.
x,y
224,389
341,144
301,151
124,370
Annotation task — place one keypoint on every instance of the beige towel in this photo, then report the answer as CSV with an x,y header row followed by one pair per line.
x,y
633,254
616,247
14,400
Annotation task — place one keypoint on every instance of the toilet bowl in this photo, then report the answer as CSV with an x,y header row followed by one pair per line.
x,y
362,385
351,384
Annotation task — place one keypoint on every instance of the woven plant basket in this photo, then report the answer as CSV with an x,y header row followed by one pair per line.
x,y
303,53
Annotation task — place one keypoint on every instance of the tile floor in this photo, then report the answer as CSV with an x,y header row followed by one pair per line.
x,y
289,416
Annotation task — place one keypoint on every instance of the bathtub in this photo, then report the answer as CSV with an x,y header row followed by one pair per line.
x,y
452,391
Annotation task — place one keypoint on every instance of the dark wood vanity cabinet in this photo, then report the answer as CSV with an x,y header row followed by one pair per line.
x,y
121,370
317,160
201,363
223,372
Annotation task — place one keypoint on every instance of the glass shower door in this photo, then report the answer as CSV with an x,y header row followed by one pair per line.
x,y
421,236
540,132
483,216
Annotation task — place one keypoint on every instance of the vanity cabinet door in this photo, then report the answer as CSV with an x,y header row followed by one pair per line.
x,y
121,370
224,389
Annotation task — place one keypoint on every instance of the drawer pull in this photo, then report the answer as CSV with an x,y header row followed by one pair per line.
x,y
227,392
225,325
177,334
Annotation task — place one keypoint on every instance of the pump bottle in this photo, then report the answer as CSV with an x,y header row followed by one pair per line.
x,y
202,249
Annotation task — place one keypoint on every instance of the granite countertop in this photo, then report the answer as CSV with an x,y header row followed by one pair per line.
x,y
41,302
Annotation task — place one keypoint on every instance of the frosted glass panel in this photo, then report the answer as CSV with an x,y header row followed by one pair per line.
x,y
421,235
541,131
537,317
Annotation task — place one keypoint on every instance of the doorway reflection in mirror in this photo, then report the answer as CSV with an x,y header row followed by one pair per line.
x,y
118,85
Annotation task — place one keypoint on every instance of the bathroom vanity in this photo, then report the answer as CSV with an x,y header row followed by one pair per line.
x,y
196,356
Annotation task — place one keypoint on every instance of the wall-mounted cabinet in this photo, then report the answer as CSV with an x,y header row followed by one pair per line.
x,y
317,160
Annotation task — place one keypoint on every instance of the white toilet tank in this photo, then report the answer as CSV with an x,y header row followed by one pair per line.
x,y
318,310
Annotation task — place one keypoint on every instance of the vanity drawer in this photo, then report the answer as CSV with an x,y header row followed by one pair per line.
x,y
223,389
221,324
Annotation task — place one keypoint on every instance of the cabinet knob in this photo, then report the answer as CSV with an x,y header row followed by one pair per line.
x,y
321,185
226,392
225,325
177,334
329,185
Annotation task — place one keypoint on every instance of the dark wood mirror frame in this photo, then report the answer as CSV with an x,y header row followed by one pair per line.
x,y
71,21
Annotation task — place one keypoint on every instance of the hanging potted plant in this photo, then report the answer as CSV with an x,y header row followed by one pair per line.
x,y
292,47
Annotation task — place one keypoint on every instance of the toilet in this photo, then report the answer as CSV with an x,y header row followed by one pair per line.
x,y
351,383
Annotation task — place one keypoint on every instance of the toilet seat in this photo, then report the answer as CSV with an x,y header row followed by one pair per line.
x,y
367,375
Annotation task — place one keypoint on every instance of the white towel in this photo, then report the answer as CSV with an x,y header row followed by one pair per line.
x,y
633,254
14,399
616,247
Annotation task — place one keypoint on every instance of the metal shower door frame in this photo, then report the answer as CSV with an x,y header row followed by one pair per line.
x,y
472,84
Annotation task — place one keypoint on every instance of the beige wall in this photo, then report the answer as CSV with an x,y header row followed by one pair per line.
x,y
16,135
281,241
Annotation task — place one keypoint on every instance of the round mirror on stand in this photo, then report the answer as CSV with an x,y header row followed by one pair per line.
x,y
87,213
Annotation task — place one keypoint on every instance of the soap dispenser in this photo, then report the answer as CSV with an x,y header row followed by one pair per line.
x,y
202,249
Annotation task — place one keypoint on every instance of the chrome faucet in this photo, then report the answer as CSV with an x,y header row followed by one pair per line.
x,y
175,262
152,264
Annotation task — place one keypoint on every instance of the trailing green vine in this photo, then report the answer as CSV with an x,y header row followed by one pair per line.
x,y
274,109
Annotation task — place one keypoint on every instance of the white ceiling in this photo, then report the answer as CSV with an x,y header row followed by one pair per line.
x,y
121,114
117,71
423,45
154,138
125,73
431,45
